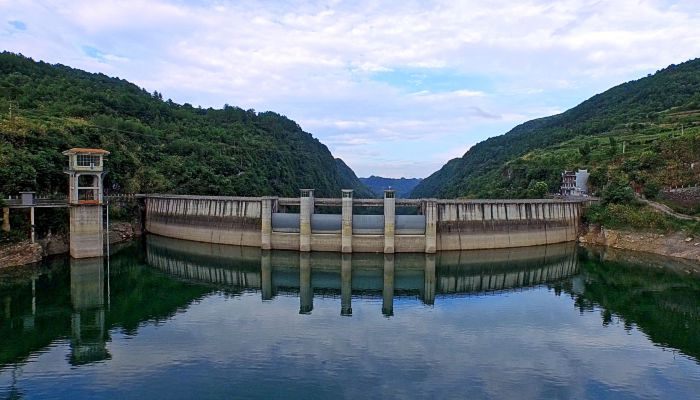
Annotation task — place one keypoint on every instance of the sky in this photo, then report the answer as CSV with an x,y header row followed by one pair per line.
x,y
394,88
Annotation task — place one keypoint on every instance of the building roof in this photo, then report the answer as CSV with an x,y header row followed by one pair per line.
x,y
80,150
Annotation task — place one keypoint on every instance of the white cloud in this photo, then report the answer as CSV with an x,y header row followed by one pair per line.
x,y
316,61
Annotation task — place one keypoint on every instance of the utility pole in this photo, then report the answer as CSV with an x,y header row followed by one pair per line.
x,y
109,286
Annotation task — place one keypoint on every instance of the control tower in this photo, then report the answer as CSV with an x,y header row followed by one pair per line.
x,y
85,197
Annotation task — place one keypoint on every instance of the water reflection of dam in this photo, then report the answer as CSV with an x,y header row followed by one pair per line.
x,y
419,275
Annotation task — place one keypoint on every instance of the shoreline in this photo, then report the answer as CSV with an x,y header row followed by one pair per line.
x,y
673,245
25,253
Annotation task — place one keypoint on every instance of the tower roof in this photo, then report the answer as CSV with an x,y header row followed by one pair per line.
x,y
81,150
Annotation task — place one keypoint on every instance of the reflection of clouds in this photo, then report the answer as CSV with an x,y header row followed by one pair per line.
x,y
528,344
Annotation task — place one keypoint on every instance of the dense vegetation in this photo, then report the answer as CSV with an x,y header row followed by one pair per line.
x,y
156,145
402,186
639,217
644,132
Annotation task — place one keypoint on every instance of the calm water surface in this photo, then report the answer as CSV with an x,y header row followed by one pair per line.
x,y
177,320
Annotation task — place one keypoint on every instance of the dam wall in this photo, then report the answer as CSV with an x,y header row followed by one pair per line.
x,y
435,225
491,224
224,220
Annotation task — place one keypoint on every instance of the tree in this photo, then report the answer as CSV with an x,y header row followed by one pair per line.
x,y
585,151
649,159
613,146
537,189
651,190
617,191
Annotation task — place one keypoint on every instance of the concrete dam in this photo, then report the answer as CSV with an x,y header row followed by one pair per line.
x,y
308,224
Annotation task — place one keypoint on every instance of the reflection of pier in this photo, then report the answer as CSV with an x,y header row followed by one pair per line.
x,y
89,336
333,274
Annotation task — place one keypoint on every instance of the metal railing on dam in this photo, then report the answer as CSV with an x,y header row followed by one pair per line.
x,y
304,223
425,276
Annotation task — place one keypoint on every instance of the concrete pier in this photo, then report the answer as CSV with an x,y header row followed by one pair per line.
x,y
86,236
389,220
266,223
306,208
430,227
346,228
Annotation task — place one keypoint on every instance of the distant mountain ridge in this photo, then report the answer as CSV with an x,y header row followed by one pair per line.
x,y
641,111
402,186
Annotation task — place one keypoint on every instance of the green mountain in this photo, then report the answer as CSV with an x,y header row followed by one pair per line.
x,y
655,119
402,186
157,145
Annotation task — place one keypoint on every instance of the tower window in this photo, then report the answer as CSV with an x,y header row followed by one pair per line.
x,y
87,160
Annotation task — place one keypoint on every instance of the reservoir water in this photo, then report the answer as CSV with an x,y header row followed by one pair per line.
x,y
172,319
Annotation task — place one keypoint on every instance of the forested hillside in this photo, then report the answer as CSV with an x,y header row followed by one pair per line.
x,y
353,182
402,186
655,119
156,145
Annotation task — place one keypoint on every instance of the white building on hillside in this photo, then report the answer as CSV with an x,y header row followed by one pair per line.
x,y
574,183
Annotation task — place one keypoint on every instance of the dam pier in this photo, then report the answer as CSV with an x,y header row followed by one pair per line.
x,y
309,224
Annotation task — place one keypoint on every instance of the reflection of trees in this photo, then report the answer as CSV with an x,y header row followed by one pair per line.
x,y
663,303
73,306
29,322
140,293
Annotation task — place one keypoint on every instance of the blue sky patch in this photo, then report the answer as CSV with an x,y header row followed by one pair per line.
x,y
93,53
432,79
19,25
